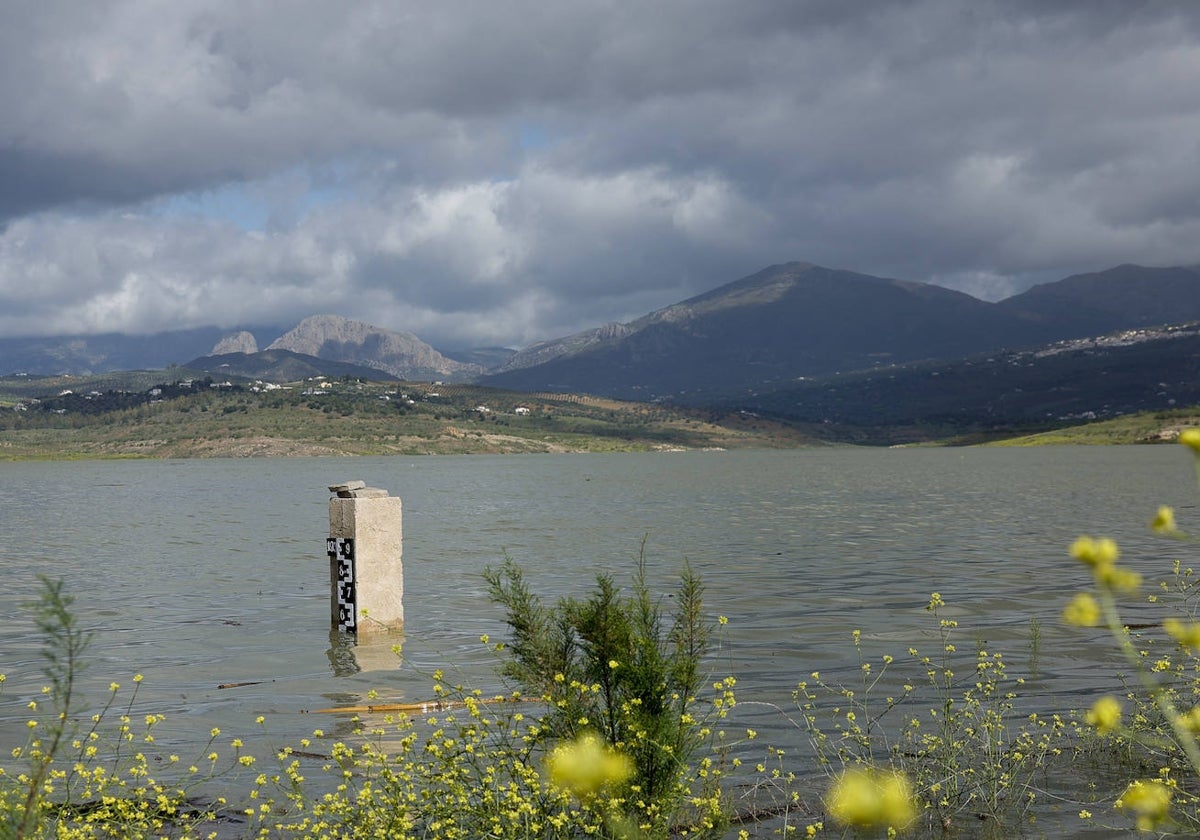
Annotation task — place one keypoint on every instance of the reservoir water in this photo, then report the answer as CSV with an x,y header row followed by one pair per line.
x,y
201,573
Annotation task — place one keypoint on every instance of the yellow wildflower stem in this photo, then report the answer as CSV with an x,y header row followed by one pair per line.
x,y
1183,735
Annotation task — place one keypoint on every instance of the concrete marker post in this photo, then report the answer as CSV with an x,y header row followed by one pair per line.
x,y
366,565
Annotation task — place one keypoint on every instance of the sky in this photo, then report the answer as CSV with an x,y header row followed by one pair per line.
x,y
499,172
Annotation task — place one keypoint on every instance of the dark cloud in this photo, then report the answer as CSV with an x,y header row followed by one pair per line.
x,y
501,173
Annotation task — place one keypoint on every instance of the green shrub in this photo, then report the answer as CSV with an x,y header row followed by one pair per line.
x,y
614,665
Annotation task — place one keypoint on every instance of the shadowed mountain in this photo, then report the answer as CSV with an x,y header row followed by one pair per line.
x,y
1125,297
784,322
281,366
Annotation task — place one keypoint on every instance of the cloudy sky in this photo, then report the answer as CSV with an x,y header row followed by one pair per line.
x,y
496,172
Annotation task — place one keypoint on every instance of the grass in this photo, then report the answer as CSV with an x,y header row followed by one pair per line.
x,y
1146,427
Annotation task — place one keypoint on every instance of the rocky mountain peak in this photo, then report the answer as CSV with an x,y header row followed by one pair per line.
x,y
238,342
401,354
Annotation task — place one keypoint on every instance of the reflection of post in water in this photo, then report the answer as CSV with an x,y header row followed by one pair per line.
x,y
341,654
347,657
366,577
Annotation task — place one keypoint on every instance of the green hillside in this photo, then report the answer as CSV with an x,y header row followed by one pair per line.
x,y
1144,427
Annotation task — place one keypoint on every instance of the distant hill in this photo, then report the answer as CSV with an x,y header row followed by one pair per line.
x,y
280,366
399,354
1066,383
800,320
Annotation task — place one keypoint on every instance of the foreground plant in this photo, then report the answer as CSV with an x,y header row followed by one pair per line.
x,y
1165,698
615,667
867,798
91,779
941,729
471,769
63,644
610,748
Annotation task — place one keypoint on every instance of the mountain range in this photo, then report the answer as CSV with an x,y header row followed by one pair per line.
x,y
795,321
768,332
330,345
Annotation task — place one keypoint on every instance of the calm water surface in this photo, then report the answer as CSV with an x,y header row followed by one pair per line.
x,y
199,573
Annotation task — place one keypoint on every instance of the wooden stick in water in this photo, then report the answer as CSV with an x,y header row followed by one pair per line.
x,y
423,708
240,684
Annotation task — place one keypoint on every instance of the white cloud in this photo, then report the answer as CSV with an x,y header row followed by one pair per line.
x,y
505,258
504,173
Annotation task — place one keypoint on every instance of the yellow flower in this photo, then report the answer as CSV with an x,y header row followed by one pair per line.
x,y
1149,800
1118,579
1083,611
586,765
1191,719
1164,520
1102,552
1191,439
1105,715
1187,635
872,799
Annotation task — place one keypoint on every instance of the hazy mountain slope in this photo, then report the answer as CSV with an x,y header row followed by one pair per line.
x,y
85,354
399,353
546,351
488,358
786,321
